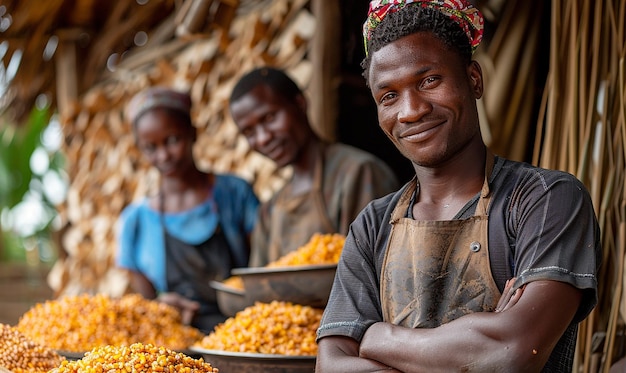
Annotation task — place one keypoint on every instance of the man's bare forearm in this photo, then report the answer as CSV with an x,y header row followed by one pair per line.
x,y
341,355
436,350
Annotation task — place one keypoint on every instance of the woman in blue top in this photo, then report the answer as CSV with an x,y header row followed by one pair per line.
x,y
196,229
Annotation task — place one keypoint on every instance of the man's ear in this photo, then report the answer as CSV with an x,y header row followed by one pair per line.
x,y
475,73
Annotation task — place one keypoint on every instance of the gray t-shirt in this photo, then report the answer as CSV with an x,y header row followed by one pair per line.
x,y
542,226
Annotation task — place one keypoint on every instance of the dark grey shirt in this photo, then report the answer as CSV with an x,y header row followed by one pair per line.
x,y
542,226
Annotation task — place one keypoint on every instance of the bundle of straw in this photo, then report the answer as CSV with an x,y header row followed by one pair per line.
x,y
582,129
575,123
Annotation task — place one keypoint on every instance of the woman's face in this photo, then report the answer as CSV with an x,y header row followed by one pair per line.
x,y
274,126
166,141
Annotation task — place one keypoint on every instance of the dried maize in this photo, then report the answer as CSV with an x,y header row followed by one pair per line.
x,y
320,249
268,328
20,354
234,282
134,358
81,323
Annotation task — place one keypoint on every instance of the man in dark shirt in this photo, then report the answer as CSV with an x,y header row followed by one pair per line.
x,y
479,263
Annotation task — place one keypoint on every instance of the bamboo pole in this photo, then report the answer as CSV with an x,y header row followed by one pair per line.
x,y
572,94
545,159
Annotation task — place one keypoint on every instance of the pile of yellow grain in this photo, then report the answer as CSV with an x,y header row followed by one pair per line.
x,y
81,323
320,249
135,358
20,354
267,328
234,282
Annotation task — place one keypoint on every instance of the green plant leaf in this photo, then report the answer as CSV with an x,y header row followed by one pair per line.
x,y
17,147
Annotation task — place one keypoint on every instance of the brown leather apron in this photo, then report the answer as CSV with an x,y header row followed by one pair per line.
x,y
437,271
295,219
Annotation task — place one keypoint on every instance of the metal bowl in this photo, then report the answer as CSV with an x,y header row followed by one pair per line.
x,y
246,362
306,285
230,300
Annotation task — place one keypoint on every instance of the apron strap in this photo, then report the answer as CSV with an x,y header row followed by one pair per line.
x,y
404,202
485,198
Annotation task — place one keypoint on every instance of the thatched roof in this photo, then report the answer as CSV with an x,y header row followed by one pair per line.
x,y
47,38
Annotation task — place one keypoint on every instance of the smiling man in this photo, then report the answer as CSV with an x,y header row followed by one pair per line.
x,y
479,264
331,183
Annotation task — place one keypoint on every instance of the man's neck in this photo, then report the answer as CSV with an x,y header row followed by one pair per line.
x,y
304,169
453,183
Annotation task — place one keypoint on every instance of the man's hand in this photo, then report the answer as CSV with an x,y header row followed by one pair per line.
x,y
509,296
187,307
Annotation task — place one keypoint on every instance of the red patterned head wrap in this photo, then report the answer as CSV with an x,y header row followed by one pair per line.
x,y
460,11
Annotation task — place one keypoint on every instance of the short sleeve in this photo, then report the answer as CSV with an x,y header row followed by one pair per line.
x,y
556,232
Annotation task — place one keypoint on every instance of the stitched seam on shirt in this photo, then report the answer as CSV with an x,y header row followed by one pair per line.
x,y
545,212
339,324
543,181
557,269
